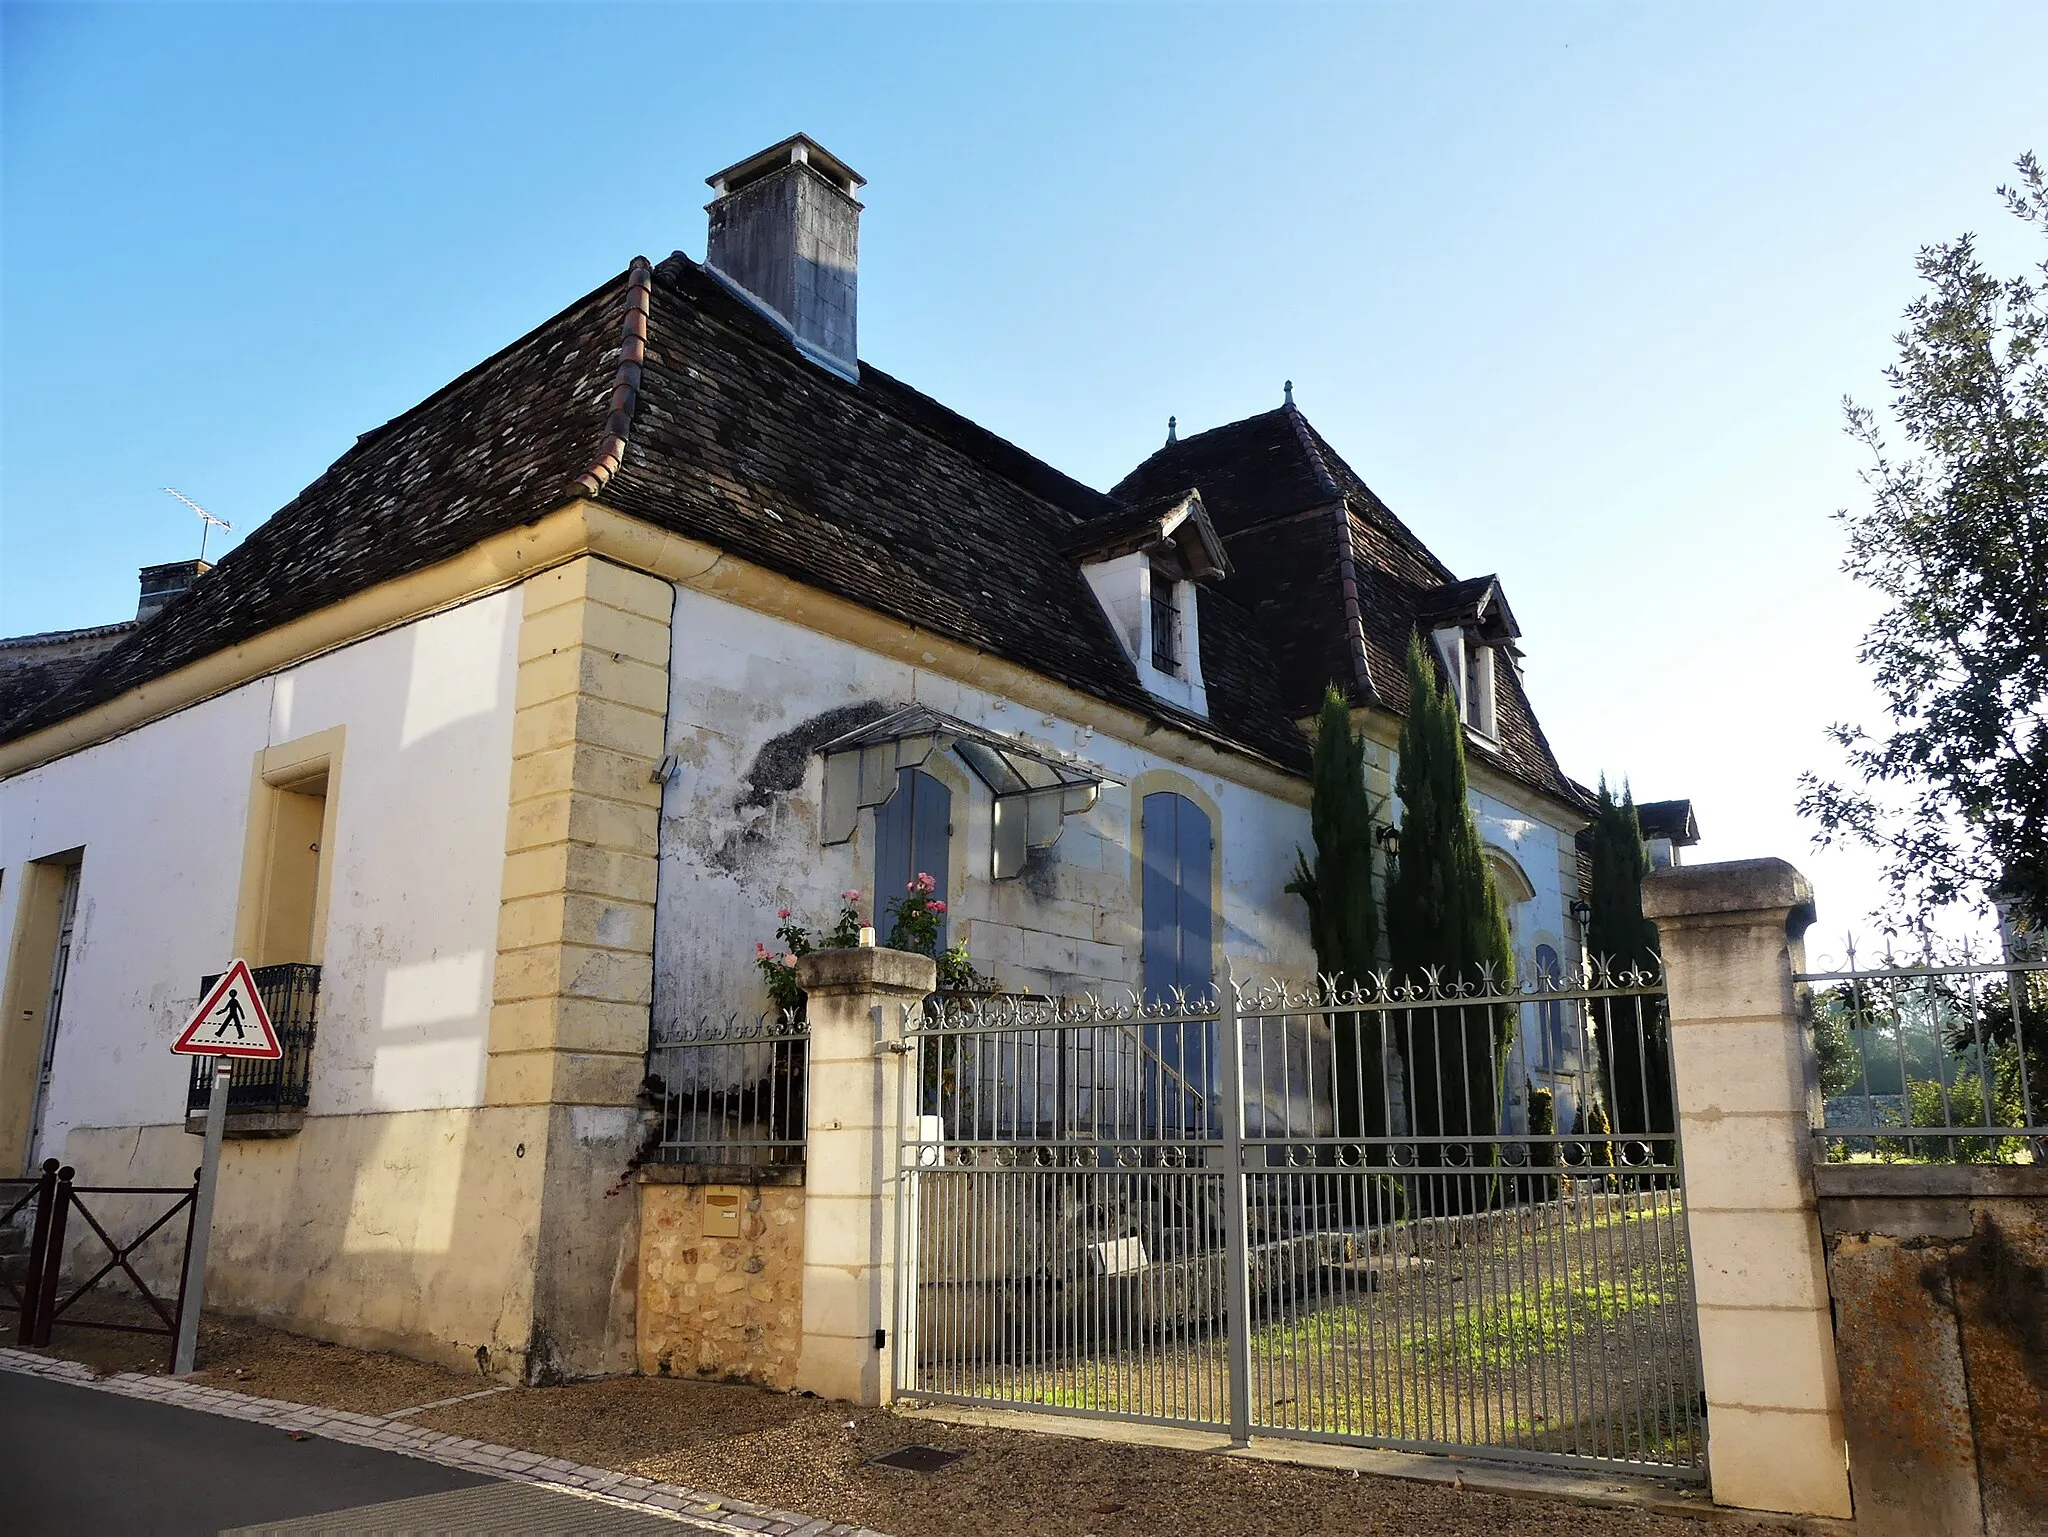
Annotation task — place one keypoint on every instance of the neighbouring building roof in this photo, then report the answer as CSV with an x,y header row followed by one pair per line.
x,y
664,395
1669,819
34,667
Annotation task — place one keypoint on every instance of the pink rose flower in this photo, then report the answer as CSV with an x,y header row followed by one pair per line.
x,y
789,960
850,896
782,912
938,907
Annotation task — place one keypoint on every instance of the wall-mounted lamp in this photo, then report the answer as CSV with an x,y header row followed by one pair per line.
x,y
1390,839
1582,911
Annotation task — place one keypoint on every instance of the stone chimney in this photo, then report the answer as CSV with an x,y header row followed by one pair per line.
x,y
162,583
785,231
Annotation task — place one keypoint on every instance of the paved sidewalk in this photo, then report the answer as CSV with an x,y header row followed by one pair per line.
x,y
393,1433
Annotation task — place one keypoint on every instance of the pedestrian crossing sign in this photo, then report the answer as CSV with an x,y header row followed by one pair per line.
x,y
230,1021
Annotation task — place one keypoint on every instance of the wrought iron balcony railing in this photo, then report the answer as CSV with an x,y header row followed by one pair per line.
x,y
730,1095
262,1089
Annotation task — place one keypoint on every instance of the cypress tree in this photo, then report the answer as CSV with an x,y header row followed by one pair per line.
x,y
1634,1052
1444,918
1343,912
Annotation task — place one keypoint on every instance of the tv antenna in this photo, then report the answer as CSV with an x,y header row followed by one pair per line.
x,y
207,521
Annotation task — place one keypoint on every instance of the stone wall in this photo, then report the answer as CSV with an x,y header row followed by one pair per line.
x,y
1940,1282
730,1308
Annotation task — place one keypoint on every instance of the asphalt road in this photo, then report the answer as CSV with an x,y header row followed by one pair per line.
x,y
73,1460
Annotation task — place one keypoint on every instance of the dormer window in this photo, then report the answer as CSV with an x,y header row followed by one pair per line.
x,y
1165,624
1468,664
1478,701
1145,565
1471,627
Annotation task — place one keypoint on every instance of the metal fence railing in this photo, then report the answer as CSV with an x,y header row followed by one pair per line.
x,y
1303,1213
133,1229
291,997
1935,1062
730,1093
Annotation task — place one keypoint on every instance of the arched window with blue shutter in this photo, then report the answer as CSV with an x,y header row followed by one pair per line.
x,y
913,834
1179,928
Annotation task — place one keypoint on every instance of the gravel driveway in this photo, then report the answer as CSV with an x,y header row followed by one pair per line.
x,y
800,1453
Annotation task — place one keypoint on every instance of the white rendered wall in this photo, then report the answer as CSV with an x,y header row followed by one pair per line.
x,y
1538,849
733,850
162,815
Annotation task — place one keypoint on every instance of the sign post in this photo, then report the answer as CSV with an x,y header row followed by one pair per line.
x,y
231,1005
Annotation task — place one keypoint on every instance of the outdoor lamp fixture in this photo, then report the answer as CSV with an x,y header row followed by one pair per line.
x,y
1582,911
1390,839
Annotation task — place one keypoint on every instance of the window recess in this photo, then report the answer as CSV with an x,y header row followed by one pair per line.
x,y
1165,624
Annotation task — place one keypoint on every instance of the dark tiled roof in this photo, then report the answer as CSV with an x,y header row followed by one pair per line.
x,y
671,399
1249,472
1273,486
1113,528
1452,597
1201,552
873,492
38,667
494,449
883,496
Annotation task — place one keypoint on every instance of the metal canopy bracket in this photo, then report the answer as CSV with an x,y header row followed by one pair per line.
x,y
1035,786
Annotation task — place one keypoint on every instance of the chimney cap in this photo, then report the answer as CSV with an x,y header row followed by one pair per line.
x,y
171,579
797,149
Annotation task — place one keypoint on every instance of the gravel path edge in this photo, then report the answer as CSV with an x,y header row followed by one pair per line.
x,y
736,1518
1493,1477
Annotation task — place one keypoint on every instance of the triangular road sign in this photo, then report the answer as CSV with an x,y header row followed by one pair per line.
x,y
230,1021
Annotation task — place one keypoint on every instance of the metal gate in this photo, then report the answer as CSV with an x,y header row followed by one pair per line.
x,y
1304,1213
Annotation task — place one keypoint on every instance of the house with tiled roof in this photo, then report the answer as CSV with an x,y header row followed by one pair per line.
x,y
511,734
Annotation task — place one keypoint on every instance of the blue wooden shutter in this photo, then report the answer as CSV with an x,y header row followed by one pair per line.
x,y
931,832
1178,924
913,829
1159,896
1179,927
1197,923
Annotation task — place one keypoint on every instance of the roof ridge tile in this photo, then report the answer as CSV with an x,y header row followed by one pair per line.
x,y
1347,556
611,449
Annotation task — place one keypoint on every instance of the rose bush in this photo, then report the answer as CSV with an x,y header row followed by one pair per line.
x,y
778,967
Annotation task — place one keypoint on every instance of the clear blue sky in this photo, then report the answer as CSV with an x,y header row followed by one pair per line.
x,y
1577,289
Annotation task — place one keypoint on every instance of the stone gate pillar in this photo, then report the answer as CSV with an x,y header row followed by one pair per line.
x,y
1743,1061
859,1069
